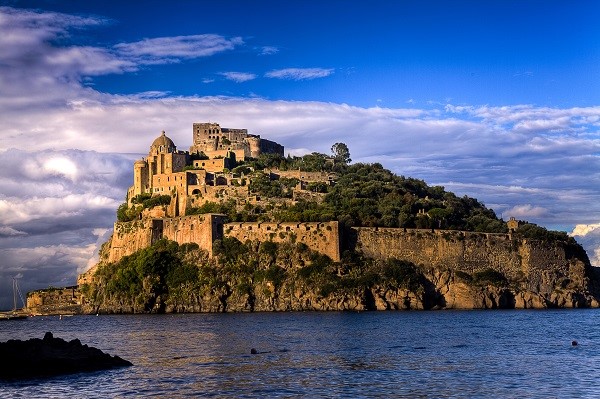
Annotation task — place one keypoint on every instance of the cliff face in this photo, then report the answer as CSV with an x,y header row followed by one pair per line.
x,y
439,270
452,270
445,290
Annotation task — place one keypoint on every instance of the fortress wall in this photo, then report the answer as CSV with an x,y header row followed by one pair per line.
x,y
324,177
129,237
163,184
544,263
200,229
320,237
67,299
217,194
441,249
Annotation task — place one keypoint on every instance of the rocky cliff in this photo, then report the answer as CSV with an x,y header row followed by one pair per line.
x,y
477,271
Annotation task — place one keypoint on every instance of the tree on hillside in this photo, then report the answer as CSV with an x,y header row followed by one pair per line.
x,y
341,153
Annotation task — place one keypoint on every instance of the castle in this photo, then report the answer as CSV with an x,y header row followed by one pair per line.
x,y
204,174
183,174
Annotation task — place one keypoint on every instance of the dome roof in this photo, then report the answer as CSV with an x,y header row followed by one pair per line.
x,y
165,142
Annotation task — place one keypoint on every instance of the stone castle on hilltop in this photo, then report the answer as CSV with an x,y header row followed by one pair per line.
x,y
204,174
184,174
211,172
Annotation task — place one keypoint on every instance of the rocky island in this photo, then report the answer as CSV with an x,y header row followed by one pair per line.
x,y
232,226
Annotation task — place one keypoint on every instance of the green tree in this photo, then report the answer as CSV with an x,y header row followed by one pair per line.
x,y
341,153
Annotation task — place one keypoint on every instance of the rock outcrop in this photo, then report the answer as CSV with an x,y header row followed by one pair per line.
x,y
51,356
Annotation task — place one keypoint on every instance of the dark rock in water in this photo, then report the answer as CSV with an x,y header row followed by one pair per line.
x,y
253,351
52,356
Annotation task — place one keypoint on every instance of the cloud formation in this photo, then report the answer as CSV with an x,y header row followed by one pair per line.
x,y
588,235
173,49
268,50
239,77
299,73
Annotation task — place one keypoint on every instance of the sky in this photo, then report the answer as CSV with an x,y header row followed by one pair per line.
x,y
497,100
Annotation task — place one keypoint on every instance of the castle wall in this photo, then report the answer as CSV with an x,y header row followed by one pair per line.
x,y
200,229
164,184
129,237
214,165
324,177
320,237
240,153
465,251
199,195
270,147
55,300
440,248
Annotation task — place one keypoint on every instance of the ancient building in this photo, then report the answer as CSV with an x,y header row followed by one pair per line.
x,y
187,175
214,141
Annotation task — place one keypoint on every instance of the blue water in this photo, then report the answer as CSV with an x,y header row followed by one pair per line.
x,y
445,354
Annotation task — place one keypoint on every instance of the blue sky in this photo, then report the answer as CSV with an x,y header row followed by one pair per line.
x,y
498,100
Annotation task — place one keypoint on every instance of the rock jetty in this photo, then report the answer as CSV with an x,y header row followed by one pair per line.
x,y
51,356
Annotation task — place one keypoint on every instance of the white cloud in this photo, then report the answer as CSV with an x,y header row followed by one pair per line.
x,y
238,77
268,50
588,235
585,229
526,212
299,73
172,49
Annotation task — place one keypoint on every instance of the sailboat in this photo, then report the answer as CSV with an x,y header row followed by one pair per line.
x,y
15,314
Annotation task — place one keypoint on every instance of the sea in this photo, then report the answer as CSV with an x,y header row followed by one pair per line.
x,y
404,354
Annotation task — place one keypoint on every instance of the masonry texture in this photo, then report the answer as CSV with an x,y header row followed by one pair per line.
x,y
537,261
203,230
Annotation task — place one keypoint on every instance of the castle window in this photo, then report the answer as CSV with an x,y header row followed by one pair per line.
x,y
191,227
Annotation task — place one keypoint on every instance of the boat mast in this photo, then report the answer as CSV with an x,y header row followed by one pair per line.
x,y
14,294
